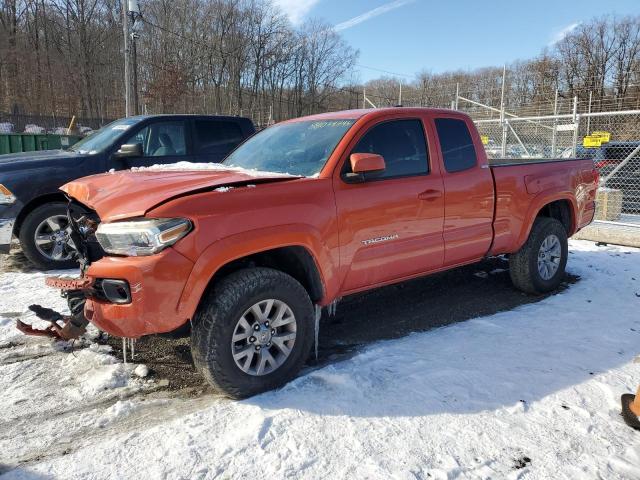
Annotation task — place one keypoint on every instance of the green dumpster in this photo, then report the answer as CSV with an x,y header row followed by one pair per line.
x,y
30,142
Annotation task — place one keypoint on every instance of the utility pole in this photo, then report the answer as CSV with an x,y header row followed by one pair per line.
x,y
130,13
127,75
135,75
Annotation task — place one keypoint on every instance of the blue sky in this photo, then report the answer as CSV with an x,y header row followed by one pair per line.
x,y
407,36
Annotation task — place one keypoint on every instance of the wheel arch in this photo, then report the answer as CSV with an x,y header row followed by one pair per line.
x,y
33,204
562,207
294,260
294,249
562,211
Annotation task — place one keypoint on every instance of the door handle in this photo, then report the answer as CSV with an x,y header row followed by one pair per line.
x,y
430,195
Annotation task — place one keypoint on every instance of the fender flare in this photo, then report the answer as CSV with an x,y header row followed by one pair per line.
x,y
235,247
537,204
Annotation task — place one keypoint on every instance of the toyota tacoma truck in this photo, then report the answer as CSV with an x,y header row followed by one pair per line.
x,y
246,254
33,209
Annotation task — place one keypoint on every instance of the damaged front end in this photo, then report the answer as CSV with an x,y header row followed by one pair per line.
x,y
82,224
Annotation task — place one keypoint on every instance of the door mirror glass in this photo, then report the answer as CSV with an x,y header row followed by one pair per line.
x,y
129,150
366,162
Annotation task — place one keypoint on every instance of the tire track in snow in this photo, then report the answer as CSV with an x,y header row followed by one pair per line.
x,y
82,426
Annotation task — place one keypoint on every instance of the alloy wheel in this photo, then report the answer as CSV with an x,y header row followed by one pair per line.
x,y
263,337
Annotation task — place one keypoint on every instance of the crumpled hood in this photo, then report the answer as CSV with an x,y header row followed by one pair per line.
x,y
130,194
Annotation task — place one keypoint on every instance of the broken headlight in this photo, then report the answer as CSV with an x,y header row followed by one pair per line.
x,y
144,236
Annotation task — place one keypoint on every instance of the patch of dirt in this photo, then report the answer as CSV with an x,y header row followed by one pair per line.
x,y
521,462
167,359
16,261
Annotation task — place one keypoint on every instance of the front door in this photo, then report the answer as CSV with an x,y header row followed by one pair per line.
x,y
391,224
162,142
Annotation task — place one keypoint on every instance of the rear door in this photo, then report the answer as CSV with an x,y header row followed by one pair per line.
x,y
468,190
214,139
391,224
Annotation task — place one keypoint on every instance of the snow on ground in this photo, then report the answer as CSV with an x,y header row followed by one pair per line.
x,y
529,393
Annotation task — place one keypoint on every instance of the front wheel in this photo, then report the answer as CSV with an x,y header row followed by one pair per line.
x,y
252,332
539,266
45,237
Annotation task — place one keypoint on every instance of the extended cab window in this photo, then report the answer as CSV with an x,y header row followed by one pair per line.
x,y
216,136
161,139
456,144
402,144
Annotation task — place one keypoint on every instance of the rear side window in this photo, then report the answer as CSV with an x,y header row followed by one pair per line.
x,y
457,147
216,137
401,143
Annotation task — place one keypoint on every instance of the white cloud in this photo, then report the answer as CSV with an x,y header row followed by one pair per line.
x,y
296,10
387,7
560,34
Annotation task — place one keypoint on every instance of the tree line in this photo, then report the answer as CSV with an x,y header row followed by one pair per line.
x,y
218,56
65,57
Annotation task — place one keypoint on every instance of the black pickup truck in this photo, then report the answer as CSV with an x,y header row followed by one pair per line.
x,y
34,210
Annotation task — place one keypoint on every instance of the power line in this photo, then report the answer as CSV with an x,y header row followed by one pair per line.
x,y
385,71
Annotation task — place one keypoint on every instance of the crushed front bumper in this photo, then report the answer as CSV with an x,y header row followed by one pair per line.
x,y
155,286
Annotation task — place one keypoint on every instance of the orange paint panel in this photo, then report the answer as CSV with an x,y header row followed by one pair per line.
x,y
156,283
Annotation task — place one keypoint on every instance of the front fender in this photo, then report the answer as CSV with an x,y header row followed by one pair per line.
x,y
234,247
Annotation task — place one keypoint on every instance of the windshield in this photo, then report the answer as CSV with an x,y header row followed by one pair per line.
x,y
299,148
103,138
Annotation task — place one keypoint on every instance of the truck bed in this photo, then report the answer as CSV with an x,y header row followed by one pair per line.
x,y
520,186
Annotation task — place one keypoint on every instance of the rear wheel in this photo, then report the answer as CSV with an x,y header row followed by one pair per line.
x,y
45,237
252,332
539,266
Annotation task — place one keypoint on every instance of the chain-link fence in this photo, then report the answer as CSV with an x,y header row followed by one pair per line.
x,y
610,139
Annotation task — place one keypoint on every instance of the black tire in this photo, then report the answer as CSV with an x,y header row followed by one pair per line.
x,y
523,265
27,237
219,311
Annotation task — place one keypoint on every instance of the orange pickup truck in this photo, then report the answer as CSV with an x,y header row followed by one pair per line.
x,y
300,215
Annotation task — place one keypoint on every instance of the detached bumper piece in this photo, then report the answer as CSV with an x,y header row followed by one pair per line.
x,y
72,326
63,327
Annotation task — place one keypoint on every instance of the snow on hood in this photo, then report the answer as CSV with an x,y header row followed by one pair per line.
x,y
132,193
187,166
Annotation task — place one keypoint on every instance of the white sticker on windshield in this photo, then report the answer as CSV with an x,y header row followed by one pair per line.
x,y
119,127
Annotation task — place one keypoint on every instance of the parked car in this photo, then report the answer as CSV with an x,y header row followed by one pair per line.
x,y
300,215
33,208
607,158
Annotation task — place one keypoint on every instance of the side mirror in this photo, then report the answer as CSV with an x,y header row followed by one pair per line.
x,y
129,150
362,163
